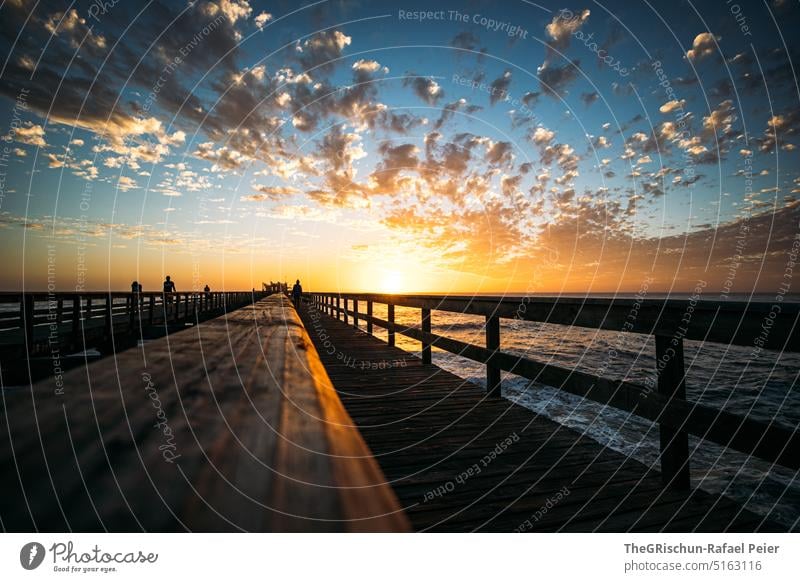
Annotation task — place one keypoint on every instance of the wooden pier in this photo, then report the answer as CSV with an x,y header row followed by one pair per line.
x,y
263,419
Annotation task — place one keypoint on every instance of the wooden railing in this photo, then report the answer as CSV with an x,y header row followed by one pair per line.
x,y
110,311
756,325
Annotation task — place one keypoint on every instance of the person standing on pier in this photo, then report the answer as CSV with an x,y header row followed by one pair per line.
x,y
169,289
297,291
136,291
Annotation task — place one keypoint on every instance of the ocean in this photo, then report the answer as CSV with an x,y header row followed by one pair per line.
x,y
720,376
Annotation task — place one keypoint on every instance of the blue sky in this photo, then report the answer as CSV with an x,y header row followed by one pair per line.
x,y
413,145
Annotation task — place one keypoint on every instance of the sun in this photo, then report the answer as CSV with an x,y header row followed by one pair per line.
x,y
392,282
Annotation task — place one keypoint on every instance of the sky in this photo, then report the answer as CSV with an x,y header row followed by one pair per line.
x,y
449,147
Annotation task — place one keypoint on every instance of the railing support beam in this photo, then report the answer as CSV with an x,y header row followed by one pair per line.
x,y
672,385
28,314
426,328
493,382
390,319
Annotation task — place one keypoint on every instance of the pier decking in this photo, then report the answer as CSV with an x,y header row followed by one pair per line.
x,y
263,419
460,460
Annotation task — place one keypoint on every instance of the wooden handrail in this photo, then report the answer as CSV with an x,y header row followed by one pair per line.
x,y
727,322
257,441
670,321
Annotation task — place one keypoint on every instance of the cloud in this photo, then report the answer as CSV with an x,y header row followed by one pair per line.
x,y
425,88
500,153
322,50
366,66
601,142
554,80
563,26
72,27
704,44
125,183
780,127
29,134
720,120
402,123
499,87
465,40
222,157
451,108
674,105
589,98
262,19
270,193
542,136
233,10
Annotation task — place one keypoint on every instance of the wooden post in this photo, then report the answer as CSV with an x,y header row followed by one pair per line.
x,y
672,385
369,317
390,319
109,317
76,320
345,311
60,310
131,304
27,315
426,328
493,385
88,313
338,308
152,308
355,313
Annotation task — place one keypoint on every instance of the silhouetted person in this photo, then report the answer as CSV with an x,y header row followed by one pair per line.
x,y
169,288
136,290
207,291
297,291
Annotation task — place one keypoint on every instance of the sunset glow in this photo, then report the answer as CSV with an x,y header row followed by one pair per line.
x,y
392,282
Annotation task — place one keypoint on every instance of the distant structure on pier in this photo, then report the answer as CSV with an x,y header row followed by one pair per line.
x,y
273,287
